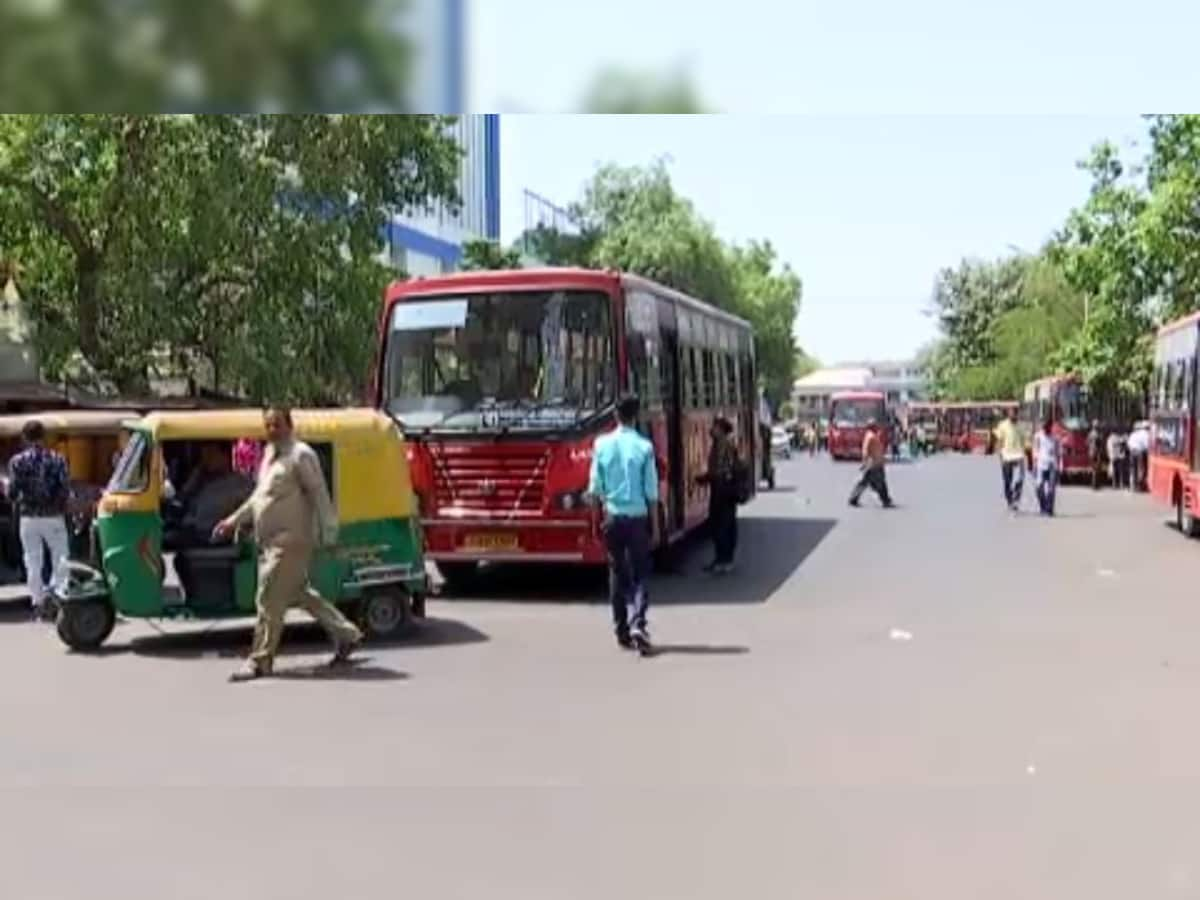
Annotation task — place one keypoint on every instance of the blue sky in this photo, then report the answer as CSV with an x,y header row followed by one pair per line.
x,y
872,142
865,208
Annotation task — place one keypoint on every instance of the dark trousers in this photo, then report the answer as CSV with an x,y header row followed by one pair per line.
x,y
1047,487
627,540
1011,474
1121,472
1138,474
875,479
723,529
1097,473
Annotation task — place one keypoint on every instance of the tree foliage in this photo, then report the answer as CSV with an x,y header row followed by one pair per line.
x,y
1126,260
155,55
483,254
238,251
627,91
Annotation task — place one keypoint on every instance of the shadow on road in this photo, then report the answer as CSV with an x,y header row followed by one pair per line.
x,y
356,669
306,638
699,650
15,610
770,550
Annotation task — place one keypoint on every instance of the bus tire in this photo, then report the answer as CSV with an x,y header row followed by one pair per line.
x,y
1187,523
85,624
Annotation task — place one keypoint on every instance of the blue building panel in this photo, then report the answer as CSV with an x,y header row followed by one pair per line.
x,y
492,174
420,242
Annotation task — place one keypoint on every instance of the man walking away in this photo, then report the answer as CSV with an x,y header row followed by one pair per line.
x,y
1139,454
1095,444
38,487
291,512
873,475
1046,452
1012,459
723,489
1120,458
624,478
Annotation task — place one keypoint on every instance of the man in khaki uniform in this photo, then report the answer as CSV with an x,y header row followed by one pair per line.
x,y
292,514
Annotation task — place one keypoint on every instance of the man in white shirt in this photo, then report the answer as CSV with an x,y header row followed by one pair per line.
x,y
1139,455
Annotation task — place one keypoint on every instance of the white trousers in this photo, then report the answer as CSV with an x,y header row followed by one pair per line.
x,y
51,532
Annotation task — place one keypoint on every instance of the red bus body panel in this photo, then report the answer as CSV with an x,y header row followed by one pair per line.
x,y
847,442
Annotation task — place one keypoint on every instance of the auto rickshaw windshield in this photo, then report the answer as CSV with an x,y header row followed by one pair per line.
x,y
132,474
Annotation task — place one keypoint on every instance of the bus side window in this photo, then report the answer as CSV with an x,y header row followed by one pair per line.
x,y
710,393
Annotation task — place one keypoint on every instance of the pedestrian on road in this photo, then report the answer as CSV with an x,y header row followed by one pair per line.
x,y
1119,454
39,488
1139,454
721,477
624,479
1095,443
1012,460
873,474
292,513
1046,454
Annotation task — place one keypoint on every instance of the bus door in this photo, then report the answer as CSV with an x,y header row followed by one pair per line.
x,y
671,381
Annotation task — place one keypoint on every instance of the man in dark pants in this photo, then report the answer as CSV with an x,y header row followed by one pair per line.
x,y
624,479
1095,445
873,475
721,478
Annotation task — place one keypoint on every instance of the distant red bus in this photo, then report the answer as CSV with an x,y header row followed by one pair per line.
x,y
849,413
1174,474
503,380
970,427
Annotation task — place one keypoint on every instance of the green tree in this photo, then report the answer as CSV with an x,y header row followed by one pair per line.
x,y
483,254
155,55
554,247
767,293
626,91
239,251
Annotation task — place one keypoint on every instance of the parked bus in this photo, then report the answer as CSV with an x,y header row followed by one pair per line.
x,y
1174,476
970,427
502,381
1072,408
926,416
849,413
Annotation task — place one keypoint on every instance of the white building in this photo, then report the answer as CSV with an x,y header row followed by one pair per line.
x,y
901,382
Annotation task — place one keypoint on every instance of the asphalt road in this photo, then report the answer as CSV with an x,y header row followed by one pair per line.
x,y
939,701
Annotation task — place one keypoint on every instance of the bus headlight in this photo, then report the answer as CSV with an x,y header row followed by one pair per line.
x,y
570,501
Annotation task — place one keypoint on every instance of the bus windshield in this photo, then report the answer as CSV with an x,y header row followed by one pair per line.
x,y
523,360
1072,406
857,413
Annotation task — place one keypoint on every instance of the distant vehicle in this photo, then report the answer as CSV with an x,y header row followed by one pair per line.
x,y
849,413
1174,472
781,442
1071,408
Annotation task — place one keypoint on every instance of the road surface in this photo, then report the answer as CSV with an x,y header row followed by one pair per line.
x,y
939,701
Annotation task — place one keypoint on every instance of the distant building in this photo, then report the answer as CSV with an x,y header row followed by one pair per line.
x,y
436,30
901,382
430,241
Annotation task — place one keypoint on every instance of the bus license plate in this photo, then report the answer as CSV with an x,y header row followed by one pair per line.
x,y
490,542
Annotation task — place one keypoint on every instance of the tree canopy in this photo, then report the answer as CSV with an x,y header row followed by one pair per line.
x,y
1122,262
240,252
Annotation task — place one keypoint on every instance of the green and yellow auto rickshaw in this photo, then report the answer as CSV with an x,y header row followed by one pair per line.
x,y
375,571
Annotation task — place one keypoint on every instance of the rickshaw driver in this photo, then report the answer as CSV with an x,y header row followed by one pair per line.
x,y
289,508
213,492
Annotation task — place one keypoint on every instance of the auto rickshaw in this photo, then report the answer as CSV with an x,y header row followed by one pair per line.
x,y
375,572
90,441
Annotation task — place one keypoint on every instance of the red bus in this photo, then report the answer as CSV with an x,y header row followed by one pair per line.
x,y
970,427
849,413
1064,401
502,380
1174,476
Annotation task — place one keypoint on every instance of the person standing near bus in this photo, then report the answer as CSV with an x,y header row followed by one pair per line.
x,y
1046,454
1095,445
624,480
721,477
1139,453
873,474
1012,459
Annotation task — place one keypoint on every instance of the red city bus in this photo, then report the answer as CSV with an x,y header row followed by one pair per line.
x,y
502,381
1064,401
980,419
1174,476
849,412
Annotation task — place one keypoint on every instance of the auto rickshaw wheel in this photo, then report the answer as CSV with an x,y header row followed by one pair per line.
x,y
384,613
85,624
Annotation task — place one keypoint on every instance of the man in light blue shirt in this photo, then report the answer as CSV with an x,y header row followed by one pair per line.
x,y
625,481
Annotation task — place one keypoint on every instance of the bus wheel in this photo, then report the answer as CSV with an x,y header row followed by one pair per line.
x,y
1188,526
457,575
85,624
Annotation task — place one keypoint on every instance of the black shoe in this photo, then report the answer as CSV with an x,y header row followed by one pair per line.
x,y
641,643
625,642
854,503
